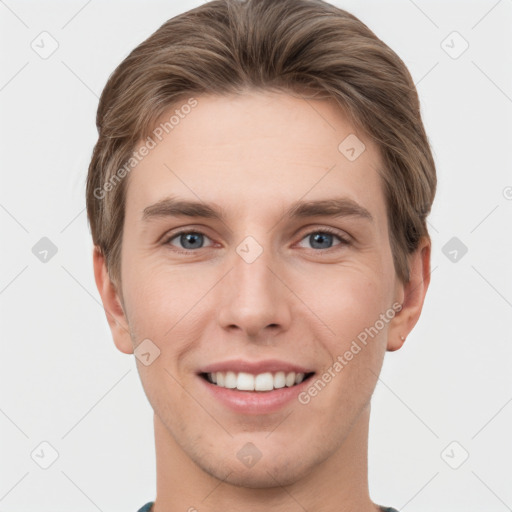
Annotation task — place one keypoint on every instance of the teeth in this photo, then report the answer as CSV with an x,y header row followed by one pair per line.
x,y
262,382
245,382
230,380
279,380
290,379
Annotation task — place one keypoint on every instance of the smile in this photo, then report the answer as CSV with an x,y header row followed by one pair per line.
x,y
266,381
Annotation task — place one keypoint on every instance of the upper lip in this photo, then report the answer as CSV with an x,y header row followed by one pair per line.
x,y
254,367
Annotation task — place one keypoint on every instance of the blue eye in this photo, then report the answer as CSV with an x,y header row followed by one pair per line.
x,y
322,239
189,240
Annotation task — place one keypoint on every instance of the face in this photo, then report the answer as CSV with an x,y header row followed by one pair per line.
x,y
256,260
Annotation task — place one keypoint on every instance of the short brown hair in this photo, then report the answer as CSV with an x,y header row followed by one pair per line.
x,y
228,46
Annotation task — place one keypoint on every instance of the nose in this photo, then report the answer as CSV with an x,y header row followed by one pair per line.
x,y
253,299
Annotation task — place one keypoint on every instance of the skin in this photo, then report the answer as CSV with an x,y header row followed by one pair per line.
x,y
253,155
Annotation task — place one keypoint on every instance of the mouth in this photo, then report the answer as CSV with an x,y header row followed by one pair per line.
x,y
254,387
261,382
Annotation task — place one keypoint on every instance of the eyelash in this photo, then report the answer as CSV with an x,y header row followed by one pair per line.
x,y
325,230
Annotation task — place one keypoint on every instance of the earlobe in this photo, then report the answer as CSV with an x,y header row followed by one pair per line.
x,y
413,296
114,312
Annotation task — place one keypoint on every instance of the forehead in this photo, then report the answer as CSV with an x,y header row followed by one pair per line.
x,y
254,149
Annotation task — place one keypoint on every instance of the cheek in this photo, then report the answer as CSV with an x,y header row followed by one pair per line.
x,y
166,305
348,299
351,306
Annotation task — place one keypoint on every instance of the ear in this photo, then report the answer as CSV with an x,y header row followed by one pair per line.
x,y
411,295
112,304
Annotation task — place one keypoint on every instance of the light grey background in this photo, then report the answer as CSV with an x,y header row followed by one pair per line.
x,y
64,383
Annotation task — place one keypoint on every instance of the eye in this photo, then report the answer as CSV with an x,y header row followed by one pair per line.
x,y
318,239
188,240
323,239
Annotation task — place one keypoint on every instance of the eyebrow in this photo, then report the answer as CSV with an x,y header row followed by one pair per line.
x,y
333,207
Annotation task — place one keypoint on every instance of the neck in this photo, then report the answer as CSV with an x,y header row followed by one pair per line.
x,y
337,484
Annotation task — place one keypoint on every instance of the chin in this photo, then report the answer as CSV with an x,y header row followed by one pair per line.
x,y
273,471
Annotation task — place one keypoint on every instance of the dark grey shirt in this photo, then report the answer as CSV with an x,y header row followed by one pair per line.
x,y
147,508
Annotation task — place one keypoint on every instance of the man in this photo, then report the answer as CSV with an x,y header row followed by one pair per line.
x,y
257,199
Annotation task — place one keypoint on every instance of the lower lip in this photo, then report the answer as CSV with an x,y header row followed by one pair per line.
x,y
255,402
